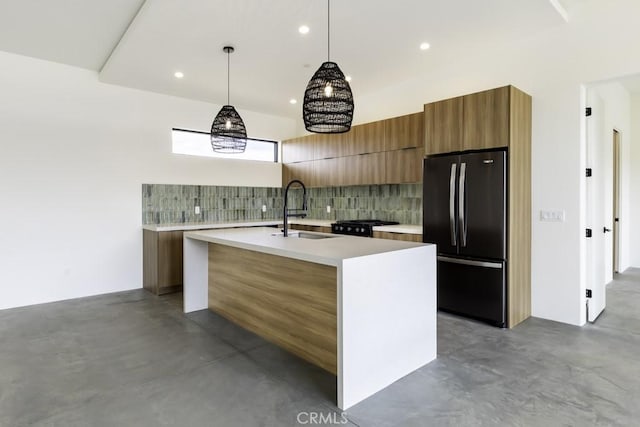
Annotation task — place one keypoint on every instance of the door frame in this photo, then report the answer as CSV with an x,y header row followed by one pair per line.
x,y
617,136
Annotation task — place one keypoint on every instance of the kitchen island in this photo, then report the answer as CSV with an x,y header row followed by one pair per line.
x,y
363,309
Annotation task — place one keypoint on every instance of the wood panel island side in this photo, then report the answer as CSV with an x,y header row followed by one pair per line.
x,y
363,309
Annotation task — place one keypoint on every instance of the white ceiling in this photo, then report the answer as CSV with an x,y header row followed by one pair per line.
x,y
141,44
76,32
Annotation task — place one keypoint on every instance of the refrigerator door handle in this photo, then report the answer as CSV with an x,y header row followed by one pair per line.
x,y
452,204
462,188
487,264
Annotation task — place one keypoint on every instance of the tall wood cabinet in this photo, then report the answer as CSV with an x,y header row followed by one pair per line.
x,y
387,151
495,118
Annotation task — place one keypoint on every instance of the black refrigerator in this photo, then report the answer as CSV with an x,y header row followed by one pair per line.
x,y
465,215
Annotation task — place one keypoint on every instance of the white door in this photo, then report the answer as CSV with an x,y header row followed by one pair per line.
x,y
596,207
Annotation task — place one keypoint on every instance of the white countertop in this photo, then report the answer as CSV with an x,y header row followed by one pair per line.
x,y
400,228
329,251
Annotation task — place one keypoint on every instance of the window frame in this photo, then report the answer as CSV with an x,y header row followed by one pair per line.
x,y
228,155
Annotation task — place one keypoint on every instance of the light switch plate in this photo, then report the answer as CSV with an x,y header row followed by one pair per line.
x,y
197,210
552,216
328,209
264,208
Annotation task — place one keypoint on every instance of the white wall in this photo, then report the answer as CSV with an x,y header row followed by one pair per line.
x,y
74,153
635,181
598,43
617,115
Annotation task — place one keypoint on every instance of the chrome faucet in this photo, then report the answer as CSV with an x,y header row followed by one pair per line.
x,y
294,212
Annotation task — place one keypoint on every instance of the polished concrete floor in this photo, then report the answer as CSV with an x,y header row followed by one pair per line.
x,y
133,359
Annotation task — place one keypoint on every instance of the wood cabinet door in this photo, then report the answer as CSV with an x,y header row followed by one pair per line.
x,y
150,260
364,169
328,146
404,132
162,261
331,172
403,166
398,236
316,228
303,171
486,119
169,261
364,139
443,126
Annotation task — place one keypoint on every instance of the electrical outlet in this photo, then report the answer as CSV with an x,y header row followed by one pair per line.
x,y
552,216
328,209
264,208
197,210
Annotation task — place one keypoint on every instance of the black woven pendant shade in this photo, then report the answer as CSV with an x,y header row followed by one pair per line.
x,y
328,101
228,133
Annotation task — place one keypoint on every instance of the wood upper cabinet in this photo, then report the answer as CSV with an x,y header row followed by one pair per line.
x,y
304,171
364,139
404,166
486,119
470,122
330,145
329,172
364,169
404,132
443,126
386,151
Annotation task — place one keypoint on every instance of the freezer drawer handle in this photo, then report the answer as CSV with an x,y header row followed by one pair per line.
x,y
462,195
452,204
487,264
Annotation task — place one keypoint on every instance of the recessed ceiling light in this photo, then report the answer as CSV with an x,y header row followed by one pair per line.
x,y
425,46
293,101
303,29
178,74
347,78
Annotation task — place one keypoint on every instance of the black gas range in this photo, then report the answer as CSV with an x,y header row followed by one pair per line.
x,y
358,227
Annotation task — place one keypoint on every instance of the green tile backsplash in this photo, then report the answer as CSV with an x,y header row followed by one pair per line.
x,y
167,204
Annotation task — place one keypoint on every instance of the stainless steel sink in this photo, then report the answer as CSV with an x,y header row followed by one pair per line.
x,y
303,235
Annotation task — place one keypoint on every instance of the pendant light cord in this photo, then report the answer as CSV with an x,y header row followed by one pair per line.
x,y
328,30
228,75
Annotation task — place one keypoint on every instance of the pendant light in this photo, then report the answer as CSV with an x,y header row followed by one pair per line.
x,y
328,101
228,133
